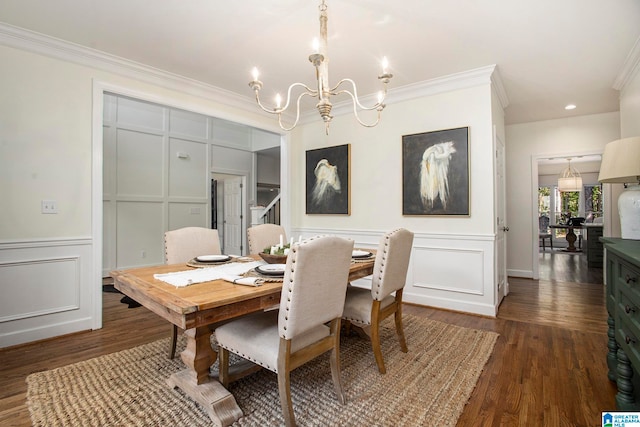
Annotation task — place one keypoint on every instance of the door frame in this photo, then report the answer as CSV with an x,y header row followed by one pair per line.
x,y
535,241
501,211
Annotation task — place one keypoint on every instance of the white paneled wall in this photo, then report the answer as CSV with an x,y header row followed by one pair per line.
x,y
454,272
156,178
157,174
41,283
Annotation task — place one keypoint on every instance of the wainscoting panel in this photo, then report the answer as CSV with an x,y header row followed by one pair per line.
x,y
47,289
429,265
34,297
454,272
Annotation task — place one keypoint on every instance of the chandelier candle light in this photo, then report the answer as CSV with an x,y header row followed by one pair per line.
x,y
324,92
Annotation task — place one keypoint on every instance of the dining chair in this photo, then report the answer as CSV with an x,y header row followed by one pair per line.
x,y
263,236
313,293
182,245
364,307
544,232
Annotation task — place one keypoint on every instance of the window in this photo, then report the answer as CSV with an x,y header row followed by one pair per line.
x,y
593,202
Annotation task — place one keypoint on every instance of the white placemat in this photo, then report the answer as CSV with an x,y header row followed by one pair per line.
x,y
185,278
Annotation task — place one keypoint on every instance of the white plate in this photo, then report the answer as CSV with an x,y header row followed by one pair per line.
x,y
271,269
213,258
360,254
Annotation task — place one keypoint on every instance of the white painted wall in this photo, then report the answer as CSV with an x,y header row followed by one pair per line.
x,y
51,104
268,169
630,106
46,148
376,163
442,244
629,126
551,138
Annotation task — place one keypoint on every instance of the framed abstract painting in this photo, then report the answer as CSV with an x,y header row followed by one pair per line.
x,y
435,173
328,180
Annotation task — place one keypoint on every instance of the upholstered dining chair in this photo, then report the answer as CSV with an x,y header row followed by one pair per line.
x,y
313,293
183,245
365,307
544,231
263,236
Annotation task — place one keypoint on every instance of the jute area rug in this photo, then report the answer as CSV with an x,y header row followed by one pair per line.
x,y
429,385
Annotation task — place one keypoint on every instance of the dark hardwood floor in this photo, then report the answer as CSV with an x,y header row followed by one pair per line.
x,y
559,266
548,367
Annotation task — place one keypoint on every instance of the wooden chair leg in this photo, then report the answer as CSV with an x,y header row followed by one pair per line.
x,y
375,336
335,361
398,319
174,340
347,327
284,383
223,366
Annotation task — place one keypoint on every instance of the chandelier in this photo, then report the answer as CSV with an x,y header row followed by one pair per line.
x,y
570,179
323,92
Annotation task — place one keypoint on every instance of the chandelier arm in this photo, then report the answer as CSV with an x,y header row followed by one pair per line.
x,y
355,109
295,123
311,92
376,106
308,91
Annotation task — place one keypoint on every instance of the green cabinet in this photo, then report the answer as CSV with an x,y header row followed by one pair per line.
x,y
594,249
622,277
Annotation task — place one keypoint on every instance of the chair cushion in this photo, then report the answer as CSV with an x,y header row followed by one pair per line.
x,y
256,338
357,305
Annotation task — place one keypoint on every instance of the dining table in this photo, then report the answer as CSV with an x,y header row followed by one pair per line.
x,y
198,308
570,237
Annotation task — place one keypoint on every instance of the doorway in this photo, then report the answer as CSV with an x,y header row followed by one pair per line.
x,y
228,209
101,90
548,202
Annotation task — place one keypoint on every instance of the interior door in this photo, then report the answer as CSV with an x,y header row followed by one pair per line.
x,y
501,221
233,215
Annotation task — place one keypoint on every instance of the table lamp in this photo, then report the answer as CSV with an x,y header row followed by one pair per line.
x,y
621,164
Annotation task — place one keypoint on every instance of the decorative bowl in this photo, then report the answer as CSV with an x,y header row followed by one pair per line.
x,y
273,259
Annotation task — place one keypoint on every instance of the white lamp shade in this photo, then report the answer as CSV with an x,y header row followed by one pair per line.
x,y
621,161
621,164
573,183
570,179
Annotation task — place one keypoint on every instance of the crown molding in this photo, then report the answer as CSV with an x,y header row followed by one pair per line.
x,y
463,80
42,44
630,67
498,86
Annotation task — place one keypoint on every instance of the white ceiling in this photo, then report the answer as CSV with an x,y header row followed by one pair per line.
x,y
583,164
549,52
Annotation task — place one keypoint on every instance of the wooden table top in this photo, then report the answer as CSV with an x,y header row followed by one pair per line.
x,y
206,302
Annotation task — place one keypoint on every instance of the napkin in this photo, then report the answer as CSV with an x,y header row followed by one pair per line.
x,y
199,275
240,280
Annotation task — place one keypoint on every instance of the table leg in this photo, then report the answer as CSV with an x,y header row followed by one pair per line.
x,y
571,238
197,383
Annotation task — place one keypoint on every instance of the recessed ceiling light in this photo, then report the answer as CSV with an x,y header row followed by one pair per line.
x,y
570,107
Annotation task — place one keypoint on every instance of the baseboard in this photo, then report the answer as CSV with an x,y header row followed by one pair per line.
x,y
526,274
